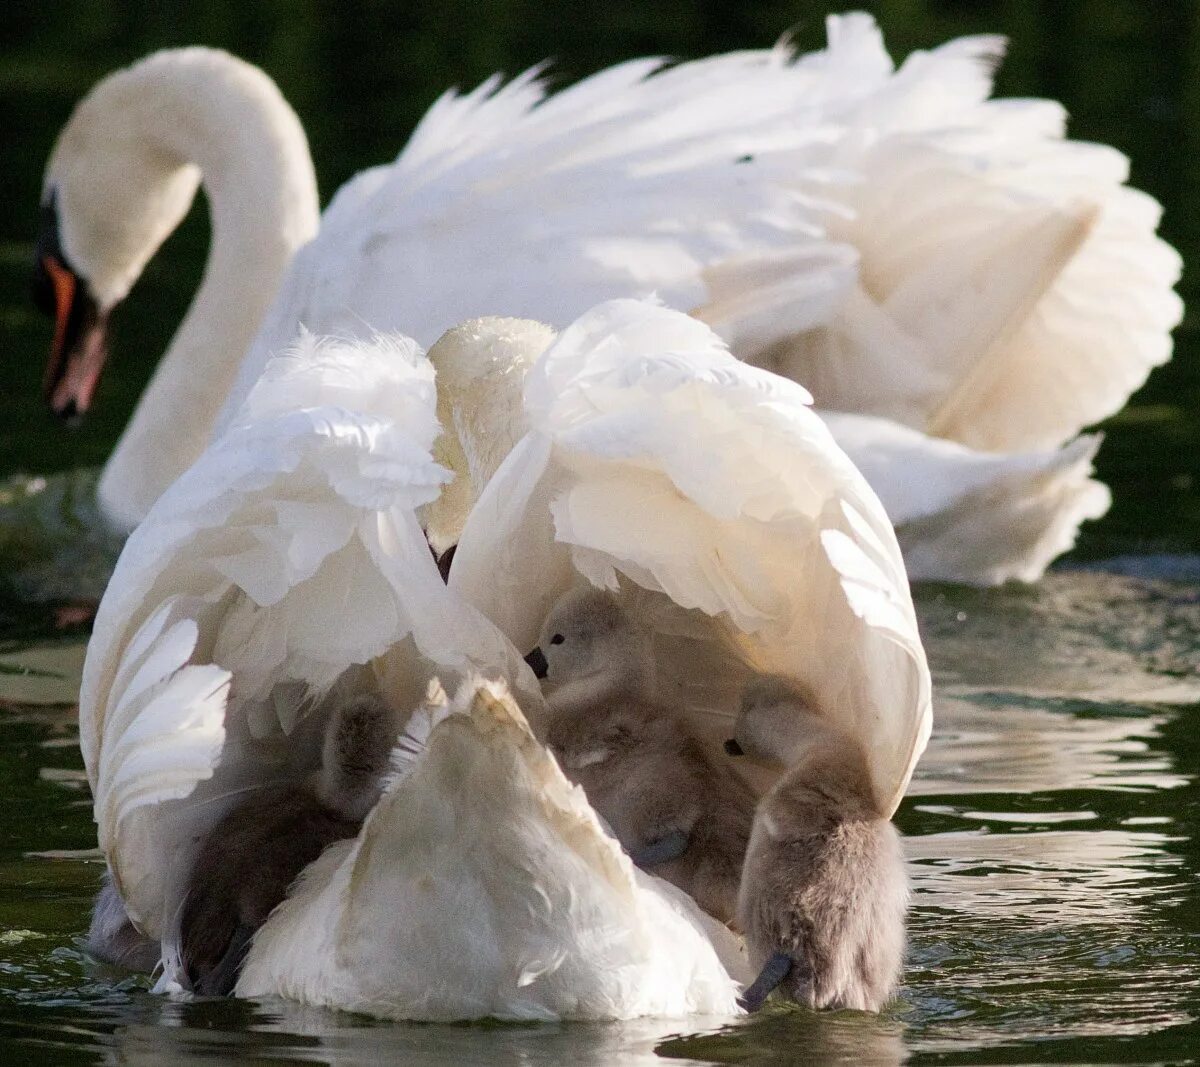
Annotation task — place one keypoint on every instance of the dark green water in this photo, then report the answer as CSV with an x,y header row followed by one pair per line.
x,y
1053,826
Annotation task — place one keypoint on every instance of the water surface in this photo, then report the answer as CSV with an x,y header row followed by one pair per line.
x,y
1053,833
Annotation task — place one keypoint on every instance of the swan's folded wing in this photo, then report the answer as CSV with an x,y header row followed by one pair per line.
x,y
975,517
666,464
290,552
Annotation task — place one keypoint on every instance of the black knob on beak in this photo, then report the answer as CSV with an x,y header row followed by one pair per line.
x,y
733,748
537,663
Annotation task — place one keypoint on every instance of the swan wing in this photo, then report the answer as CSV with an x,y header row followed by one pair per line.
x,y
1011,288
629,182
967,516
289,553
656,460
481,885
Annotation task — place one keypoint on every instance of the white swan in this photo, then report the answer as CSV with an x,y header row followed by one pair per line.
x,y
1020,294
292,550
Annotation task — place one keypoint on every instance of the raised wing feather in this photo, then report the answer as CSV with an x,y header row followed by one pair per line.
x,y
663,463
289,553
968,516
1011,289
629,182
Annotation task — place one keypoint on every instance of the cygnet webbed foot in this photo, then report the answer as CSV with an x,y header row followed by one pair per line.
x,y
670,847
774,971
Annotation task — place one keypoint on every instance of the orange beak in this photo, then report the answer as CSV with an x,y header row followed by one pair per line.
x,y
65,284
79,349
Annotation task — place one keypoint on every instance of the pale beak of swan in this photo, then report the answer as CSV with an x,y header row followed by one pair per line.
x,y
80,345
537,663
733,748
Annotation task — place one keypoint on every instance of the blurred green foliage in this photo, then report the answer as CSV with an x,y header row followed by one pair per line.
x,y
361,72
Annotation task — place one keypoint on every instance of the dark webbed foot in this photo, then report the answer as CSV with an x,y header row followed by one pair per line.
x,y
774,971
670,847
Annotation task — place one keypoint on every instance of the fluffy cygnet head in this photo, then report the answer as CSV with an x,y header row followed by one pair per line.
x,y
776,722
591,649
357,753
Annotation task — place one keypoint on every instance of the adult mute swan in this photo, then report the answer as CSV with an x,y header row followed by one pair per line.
x,y
482,883
1019,295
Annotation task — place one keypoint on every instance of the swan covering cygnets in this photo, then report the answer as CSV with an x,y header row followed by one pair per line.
x,y
482,883
675,811
906,248
824,892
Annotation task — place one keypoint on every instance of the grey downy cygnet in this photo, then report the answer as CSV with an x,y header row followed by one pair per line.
x,y
824,890
251,857
674,810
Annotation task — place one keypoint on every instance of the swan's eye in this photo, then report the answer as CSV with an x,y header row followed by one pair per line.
x,y
557,639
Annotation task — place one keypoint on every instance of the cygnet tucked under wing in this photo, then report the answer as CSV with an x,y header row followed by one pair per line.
x,y
655,460
253,855
673,808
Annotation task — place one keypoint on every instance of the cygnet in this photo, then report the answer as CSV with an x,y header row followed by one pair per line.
x,y
672,808
252,856
824,890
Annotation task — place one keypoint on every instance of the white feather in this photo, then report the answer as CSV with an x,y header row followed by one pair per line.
x,y
653,459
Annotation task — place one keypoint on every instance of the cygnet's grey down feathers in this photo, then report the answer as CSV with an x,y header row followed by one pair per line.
x,y
824,890
112,938
672,808
251,857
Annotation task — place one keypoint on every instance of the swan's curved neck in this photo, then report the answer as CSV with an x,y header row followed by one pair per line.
x,y
228,120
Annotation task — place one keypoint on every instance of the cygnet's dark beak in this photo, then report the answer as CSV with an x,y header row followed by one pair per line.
x,y
733,748
537,663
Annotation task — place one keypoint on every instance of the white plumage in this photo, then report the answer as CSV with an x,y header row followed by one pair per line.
x,y
482,883
900,244
653,459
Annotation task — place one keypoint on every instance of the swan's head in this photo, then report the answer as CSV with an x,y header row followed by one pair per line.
x,y
481,367
589,650
776,722
111,195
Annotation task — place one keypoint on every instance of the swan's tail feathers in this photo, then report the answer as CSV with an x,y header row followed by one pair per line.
x,y
773,973
415,739
547,916
656,460
1014,528
979,518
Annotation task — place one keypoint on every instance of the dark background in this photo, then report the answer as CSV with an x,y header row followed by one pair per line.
x,y
361,72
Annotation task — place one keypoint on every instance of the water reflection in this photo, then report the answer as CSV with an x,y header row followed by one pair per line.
x,y
1001,743
1086,633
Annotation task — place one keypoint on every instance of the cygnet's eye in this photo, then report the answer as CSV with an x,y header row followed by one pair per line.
x,y
557,639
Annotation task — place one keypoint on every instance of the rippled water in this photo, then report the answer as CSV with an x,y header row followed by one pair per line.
x,y
1053,831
